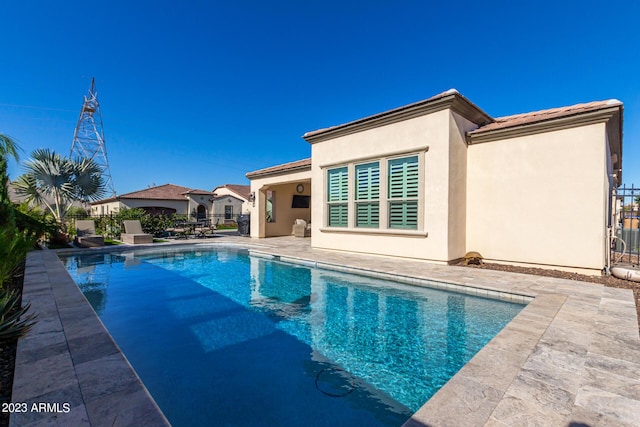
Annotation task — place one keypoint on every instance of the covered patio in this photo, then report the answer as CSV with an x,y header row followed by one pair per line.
x,y
281,195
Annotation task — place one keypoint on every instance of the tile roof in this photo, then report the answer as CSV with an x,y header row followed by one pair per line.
x,y
163,192
457,101
299,164
543,115
241,190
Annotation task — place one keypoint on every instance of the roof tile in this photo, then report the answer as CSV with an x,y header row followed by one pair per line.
x,y
163,192
542,115
281,168
241,190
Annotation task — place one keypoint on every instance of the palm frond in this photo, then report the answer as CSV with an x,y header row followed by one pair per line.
x,y
8,147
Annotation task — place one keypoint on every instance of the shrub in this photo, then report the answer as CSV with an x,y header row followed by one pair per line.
x,y
11,324
34,223
13,250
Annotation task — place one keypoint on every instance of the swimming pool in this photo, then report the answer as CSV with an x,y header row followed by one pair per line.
x,y
223,338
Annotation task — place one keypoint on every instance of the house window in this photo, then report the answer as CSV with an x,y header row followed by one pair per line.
x,y
228,212
337,197
376,195
403,192
367,194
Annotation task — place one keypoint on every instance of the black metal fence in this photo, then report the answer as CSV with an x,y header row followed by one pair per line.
x,y
626,245
111,225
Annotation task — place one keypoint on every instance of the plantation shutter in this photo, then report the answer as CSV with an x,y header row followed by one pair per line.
x,y
337,193
368,195
403,193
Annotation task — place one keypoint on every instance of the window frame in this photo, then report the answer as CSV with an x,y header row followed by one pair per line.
x,y
372,202
384,201
407,197
341,202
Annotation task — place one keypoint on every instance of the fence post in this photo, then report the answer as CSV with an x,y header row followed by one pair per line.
x,y
628,225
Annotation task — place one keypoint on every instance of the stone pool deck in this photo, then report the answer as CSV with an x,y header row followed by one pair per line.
x,y
570,358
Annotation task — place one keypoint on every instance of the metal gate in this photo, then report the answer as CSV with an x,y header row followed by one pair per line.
x,y
626,225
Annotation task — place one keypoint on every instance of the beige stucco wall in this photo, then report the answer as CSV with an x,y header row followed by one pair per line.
x,y
457,171
196,200
540,199
442,231
106,208
246,205
285,187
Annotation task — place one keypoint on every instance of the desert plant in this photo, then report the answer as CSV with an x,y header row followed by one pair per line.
x,y
14,322
56,182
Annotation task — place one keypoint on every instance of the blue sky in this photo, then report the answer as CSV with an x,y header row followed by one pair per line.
x,y
197,93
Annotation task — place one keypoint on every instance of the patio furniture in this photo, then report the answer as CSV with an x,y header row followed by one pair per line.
x,y
86,235
301,228
179,230
211,230
134,234
200,229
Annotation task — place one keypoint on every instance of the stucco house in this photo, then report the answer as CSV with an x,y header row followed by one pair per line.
x,y
437,178
229,201
164,199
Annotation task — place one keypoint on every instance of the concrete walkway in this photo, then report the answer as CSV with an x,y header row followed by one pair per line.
x,y
570,358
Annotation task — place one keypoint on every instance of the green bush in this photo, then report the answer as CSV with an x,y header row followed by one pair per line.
x,y
78,212
111,225
35,224
13,250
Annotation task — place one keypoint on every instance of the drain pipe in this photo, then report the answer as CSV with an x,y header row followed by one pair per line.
x,y
607,267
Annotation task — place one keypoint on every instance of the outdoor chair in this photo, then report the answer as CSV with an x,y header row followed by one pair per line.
x,y
86,235
301,228
133,233
211,230
178,230
200,229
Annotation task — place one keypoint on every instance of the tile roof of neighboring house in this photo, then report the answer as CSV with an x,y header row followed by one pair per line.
x,y
286,167
543,115
163,192
241,190
196,191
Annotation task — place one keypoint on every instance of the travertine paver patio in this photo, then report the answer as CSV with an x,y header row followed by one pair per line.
x,y
570,358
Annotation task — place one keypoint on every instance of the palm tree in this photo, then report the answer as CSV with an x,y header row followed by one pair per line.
x,y
56,182
8,148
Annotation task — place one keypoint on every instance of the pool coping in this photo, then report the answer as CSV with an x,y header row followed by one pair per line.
x,y
70,361
571,355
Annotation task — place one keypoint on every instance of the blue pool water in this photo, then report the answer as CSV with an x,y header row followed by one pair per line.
x,y
222,338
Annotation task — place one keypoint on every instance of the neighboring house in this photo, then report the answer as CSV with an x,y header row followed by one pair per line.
x,y
438,178
164,199
229,201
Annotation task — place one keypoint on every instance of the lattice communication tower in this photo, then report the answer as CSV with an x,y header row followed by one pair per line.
x,y
88,138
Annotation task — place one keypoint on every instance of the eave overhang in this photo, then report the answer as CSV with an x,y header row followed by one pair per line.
x,y
286,169
448,100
